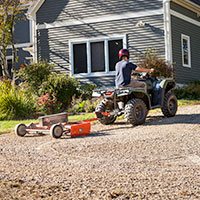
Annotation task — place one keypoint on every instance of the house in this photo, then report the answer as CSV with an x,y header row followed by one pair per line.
x,y
22,41
83,37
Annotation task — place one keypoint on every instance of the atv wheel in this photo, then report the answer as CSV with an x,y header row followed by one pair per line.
x,y
170,105
136,112
104,119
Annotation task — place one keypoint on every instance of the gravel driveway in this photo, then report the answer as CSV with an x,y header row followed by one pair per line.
x,y
159,160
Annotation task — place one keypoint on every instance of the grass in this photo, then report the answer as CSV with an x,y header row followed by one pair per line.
x,y
8,126
81,117
188,102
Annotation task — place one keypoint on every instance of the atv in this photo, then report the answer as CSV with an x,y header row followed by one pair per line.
x,y
136,102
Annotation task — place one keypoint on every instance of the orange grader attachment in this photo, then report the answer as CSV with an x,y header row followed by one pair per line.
x,y
81,128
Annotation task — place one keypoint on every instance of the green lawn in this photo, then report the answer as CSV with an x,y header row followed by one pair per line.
x,y
188,102
8,126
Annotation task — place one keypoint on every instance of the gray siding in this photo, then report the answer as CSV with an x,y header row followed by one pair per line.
x,y
53,44
179,26
52,11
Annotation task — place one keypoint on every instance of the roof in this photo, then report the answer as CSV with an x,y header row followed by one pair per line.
x,y
38,3
35,6
196,1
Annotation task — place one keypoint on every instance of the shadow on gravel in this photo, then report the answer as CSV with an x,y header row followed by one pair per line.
x,y
151,120
97,134
178,119
113,128
35,135
100,133
92,134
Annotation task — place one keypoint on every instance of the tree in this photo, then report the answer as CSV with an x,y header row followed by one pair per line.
x,y
9,14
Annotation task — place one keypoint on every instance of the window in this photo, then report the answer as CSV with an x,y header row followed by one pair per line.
x,y
186,51
10,65
95,56
9,60
80,60
114,47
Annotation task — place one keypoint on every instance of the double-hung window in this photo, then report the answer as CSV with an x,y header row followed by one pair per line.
x,y
95,57
186,50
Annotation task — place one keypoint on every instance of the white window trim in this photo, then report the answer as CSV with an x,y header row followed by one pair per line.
x,y
186,37
9,58
88,41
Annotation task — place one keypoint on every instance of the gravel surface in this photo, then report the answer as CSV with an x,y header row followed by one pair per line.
x,y
159,160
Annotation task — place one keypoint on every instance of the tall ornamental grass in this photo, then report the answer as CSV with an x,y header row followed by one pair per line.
x,y
14,103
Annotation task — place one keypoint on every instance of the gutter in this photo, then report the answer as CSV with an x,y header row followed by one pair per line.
x,y
33,9
168,32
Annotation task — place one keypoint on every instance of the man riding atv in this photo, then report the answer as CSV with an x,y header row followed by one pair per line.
x,y
134,98
124,70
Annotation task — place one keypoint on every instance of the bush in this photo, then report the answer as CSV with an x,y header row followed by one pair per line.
x,y
191,91
14,103
85,90
35,74
53,90
151,60
60,89
79,105
47,104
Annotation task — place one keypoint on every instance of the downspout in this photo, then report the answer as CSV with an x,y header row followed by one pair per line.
x,y
168,32
32,16
34,38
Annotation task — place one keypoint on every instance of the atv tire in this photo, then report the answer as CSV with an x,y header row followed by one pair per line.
x,y
136,112
170,105
104,119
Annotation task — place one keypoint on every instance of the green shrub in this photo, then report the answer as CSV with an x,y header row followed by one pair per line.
x,y
79,105
61,89
190,91
85,90
35,74
54,90
14,103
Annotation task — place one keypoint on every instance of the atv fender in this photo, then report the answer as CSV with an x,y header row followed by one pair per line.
x,y
143,96
167,84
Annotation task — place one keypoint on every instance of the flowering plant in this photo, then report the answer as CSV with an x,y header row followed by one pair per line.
x,y
48,104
